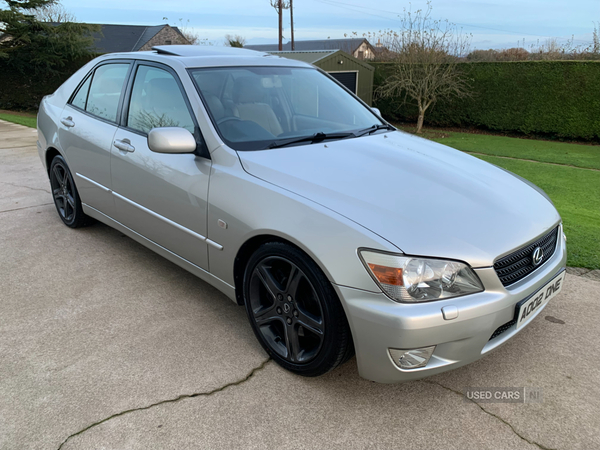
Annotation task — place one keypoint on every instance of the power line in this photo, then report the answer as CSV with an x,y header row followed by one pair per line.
x,y
345,5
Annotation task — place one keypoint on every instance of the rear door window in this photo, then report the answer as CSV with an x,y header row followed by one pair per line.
x,y
105,91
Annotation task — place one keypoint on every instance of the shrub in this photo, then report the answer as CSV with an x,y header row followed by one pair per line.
x,y
23,92
556,98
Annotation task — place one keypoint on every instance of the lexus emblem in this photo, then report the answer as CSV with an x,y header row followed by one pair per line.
x,y
538,255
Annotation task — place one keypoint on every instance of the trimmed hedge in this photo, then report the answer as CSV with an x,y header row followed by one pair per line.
x,y
23,92
557,98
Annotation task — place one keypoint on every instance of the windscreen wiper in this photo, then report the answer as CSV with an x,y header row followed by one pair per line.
x,y
374,128
317,137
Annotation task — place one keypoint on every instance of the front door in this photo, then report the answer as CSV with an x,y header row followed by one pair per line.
x,y
163,197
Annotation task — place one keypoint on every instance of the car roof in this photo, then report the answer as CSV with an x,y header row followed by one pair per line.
x,y
190,56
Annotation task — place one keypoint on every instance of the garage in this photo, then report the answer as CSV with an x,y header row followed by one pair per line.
x,y
348,79
353,73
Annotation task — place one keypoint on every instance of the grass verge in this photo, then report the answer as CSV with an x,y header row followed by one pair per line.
x,y
574,191
21,119
576,195
570,154
577,155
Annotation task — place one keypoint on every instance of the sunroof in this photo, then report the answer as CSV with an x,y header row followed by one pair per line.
x,y
197,50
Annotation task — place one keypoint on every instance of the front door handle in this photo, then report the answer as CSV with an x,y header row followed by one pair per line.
x,y
124,145
67,122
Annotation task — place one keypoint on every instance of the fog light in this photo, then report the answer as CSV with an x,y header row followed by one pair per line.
x,y
411,359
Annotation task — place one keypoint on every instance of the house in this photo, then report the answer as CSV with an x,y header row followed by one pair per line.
x,y
133,38
353,73
359,48
130,38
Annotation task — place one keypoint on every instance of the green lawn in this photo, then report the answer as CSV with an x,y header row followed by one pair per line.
x,y
28,121
575,192
576,195
578,155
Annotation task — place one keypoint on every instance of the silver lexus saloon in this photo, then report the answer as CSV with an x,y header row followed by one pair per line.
x,y
339,234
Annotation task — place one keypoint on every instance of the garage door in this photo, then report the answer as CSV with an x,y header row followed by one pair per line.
x,y
348,79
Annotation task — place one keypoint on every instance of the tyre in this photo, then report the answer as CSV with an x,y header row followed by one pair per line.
x,y
66,197
294,311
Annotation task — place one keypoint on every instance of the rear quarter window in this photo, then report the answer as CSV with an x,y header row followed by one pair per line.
x,y
80,98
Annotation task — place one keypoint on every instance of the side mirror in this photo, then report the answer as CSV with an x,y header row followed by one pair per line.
x,y
376,111
171,140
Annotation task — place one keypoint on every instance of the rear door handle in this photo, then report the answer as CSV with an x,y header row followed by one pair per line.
x,y
67,122
124,145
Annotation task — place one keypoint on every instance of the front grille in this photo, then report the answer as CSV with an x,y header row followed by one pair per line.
x,y
502,328
519,264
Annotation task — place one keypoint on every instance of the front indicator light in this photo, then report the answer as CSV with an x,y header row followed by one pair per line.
x,y
415,279
411,359
387,275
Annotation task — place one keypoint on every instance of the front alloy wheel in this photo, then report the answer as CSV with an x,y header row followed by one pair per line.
x,y
286,309
294,311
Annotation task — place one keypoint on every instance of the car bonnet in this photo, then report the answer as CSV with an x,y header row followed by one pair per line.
x,y
425,198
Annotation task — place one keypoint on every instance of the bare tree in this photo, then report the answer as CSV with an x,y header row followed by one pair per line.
x,y
279,6
425,53
188,32
513,54
553,49
482,55
190,35
54,13
234,41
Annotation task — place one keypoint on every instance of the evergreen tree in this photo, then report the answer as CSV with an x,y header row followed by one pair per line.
x,y
39,48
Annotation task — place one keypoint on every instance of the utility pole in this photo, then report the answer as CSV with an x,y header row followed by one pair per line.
x,y
279,6
292,23
280,11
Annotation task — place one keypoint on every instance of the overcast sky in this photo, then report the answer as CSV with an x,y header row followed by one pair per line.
x,y
494,24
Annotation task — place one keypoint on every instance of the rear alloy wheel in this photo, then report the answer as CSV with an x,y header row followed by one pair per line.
x,y
294,311
66,197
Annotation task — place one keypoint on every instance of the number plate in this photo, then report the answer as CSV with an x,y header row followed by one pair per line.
x,y
528,309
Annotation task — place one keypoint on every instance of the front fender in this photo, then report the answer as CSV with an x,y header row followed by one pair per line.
x,y
252,207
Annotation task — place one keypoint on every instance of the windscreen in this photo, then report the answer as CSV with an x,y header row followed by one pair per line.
x,y
256,107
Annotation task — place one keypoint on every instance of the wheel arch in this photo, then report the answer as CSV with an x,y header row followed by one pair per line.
x,y
248,248
51,153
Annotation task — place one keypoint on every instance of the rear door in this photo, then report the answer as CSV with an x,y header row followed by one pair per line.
x,y
163,197
88,124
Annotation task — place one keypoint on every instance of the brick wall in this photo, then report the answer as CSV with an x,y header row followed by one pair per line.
x,y
164,35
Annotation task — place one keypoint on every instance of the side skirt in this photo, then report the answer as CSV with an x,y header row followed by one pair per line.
x,y
222,286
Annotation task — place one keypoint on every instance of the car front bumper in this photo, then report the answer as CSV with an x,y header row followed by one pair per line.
x,y
378,323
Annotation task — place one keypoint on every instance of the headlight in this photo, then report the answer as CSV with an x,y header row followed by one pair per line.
x,y
413,279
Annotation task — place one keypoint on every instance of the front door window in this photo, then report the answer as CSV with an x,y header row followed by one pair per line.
x,y
157,101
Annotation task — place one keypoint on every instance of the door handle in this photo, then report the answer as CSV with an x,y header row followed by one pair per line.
x,y
67,122
124,145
